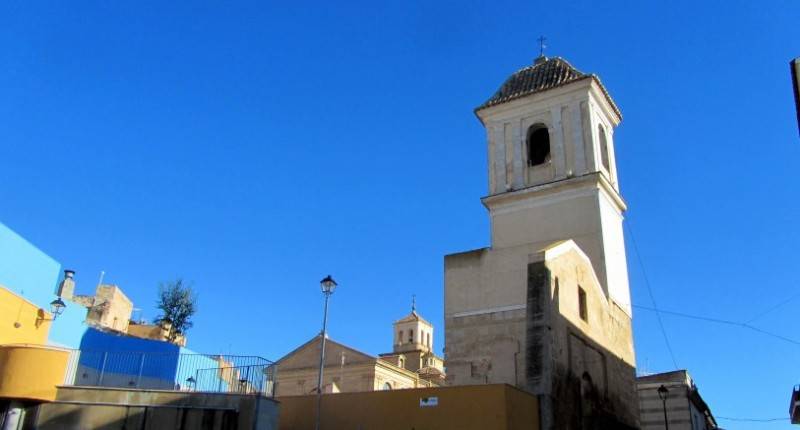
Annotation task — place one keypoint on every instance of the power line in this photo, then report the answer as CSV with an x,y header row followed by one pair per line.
x,y
752,420
650,291
720,321
792,297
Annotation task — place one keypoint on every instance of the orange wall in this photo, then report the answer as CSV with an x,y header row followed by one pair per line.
x,y
20,320
484,407
31,371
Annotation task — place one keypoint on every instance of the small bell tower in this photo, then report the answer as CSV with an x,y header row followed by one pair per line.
x,y
412,332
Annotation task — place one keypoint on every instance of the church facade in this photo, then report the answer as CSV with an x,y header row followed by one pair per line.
x,y
546,307
411,364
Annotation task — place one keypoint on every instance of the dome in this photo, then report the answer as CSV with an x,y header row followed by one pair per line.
x,y
544,74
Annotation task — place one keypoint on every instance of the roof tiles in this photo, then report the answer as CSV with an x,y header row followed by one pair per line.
x,y
544,74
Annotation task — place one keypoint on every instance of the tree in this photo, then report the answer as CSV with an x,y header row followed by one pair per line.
x,y
178,303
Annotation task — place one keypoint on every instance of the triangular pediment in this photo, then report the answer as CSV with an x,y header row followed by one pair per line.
x,y
307,355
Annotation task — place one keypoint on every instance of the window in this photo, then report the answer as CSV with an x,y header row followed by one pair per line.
x,y
538,144
428,339
556,289
387,386
411,336
582,304
400,336
601,132
402,362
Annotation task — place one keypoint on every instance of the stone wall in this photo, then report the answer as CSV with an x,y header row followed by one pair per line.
x,y
583,369
581,361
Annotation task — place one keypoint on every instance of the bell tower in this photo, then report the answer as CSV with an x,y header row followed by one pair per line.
x,y
412,332
552,170
546,307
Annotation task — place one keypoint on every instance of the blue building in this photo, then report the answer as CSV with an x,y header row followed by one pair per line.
x,y
111,359
34,275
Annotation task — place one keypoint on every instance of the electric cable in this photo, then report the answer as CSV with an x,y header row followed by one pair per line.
x,y
753,420
721,321
650,291
792,297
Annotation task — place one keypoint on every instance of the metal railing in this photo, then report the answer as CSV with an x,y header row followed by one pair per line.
x,y
172,371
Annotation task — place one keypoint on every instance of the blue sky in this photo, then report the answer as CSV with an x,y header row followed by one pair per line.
x,y
254,148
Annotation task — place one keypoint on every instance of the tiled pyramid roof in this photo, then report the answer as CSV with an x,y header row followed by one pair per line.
x,y
413,316
544,74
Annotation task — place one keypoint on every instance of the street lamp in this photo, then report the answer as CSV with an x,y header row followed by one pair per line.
x,y
328,285
57,307
663,393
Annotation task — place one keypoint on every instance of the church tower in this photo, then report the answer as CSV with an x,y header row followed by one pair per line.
x,y
413,348
547,306
413,333
552,170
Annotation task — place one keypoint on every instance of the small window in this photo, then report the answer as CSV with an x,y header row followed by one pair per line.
x,y
538,144
582,304
402,363
556,289
387,386
601,132
411,336
400,336
428,338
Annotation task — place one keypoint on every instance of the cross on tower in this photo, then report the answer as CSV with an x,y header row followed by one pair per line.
x,y
541,40
413,303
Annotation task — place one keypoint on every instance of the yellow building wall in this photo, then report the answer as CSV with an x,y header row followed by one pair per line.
x,y
22,321
484,407
31,371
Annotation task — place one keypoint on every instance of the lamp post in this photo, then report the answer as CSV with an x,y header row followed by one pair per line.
x,y
327,285
663,393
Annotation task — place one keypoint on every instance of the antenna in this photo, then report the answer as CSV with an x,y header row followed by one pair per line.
x,y
133,316
542,45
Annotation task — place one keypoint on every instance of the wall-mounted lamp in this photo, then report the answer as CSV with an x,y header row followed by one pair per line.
x,y
57,307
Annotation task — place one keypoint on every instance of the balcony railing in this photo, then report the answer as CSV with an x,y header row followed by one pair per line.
x,y
172,371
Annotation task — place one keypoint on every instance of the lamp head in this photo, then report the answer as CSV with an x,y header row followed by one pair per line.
x,y
663,392
328,285
57,307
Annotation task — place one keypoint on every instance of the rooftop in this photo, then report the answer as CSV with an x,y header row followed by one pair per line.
x,y
413,316
545,74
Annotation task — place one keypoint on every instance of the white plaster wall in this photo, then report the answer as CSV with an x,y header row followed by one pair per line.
x,y
571,114
569,215
614,253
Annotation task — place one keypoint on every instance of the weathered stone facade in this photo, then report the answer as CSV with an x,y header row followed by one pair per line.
x,y
547,308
